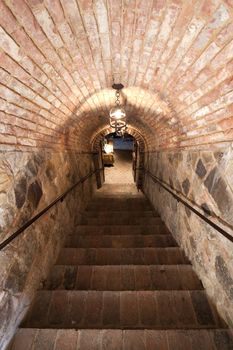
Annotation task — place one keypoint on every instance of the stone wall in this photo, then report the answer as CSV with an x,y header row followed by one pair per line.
x,y
28,183
205,178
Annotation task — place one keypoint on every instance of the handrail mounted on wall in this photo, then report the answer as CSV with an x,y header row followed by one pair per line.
x,y
43,211
189,205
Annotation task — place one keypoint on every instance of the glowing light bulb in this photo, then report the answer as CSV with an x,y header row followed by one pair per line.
x,y
108,148
117,113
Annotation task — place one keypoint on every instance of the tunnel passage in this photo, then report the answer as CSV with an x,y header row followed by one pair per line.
x,y
118,153
58,62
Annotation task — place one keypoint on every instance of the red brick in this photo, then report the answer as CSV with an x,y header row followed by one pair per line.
x,y
111,309
39,312
99,278
158,277
77,308
129,309
179,340
189,278
84,276
166,314
112,339
24,339
156,340
127,278
58,307
7,20
182,305
94,309
45,339
142,278
147,309
200,340
134,340
90,339
113,279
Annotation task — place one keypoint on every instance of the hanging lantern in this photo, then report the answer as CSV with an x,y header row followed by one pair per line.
x,y
117,114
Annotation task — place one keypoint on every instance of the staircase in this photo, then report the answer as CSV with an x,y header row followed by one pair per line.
x,y
121,282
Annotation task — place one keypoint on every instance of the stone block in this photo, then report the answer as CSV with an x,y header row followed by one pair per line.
x,y
200,169
186,186
20,192
224,276
34,194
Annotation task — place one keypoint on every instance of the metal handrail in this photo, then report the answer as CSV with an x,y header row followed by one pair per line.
x,y
43,211
190,206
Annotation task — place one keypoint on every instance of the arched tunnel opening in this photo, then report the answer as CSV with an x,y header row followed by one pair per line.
x,y
118,154
127,246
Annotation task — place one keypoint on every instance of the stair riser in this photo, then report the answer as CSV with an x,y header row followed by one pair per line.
x,y
121,230
119,207
134,310
125,256
120,221
123,278
123,339
120,200
119,214
139,241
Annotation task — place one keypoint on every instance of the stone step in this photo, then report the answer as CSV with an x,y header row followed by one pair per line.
x,y
115,241
121,220
120,199
116,339
125,309
121,229
113,206
124,214
119,256
120,196
118,189
125,277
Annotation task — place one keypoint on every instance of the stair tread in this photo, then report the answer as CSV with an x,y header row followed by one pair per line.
x,y
121,229
120,213
121,221
123,277
106,235
116,339
115,206
125,256
120,241
120,207
119,199
119,226
123,212
123,309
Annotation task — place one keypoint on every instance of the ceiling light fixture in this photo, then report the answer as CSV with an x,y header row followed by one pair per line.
x,y
117,114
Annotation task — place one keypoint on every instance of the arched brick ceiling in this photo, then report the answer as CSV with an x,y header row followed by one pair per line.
x,y
141,107
59,59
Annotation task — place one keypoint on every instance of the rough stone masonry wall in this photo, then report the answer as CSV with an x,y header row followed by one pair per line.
x,y
28,183
205,177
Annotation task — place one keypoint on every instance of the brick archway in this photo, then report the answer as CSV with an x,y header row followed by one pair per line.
x,y
131,131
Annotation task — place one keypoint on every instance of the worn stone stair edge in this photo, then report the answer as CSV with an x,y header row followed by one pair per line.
x,y
112,339
125,213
